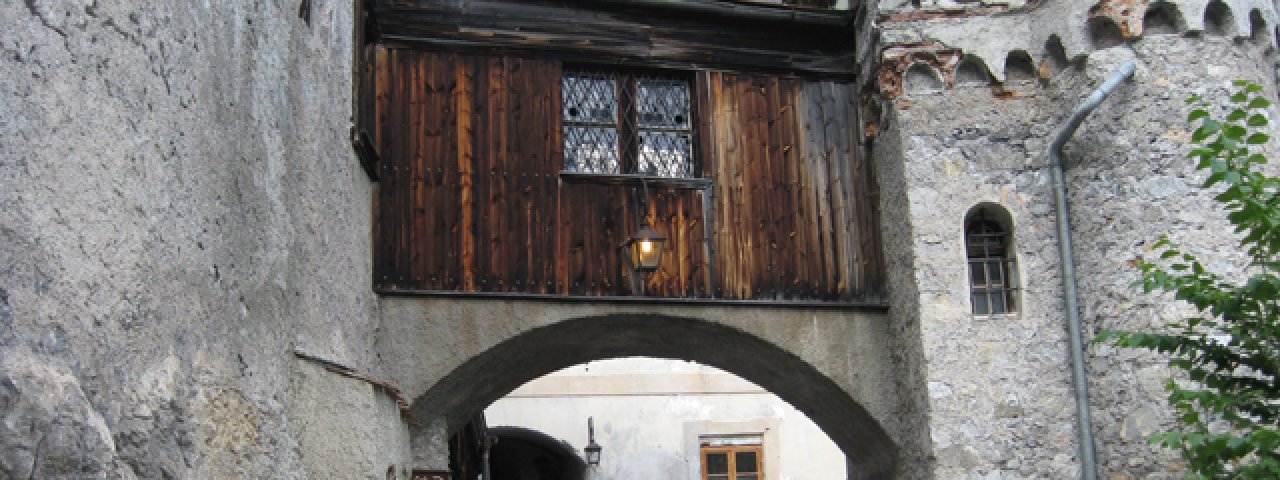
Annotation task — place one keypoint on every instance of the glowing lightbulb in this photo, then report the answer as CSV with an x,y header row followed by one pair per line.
x,y
646,246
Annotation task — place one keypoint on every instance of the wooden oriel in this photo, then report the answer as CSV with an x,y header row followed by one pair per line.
x,y
472,198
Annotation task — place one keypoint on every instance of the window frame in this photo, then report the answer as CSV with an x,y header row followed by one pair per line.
x,y
993,255
732,451
629,131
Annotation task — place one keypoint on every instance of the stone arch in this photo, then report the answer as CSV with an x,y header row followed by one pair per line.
x,y
972,71
487,376
992,212
1218,19
516,442
921,78
1056,53
1104,33
1019,68
1163,18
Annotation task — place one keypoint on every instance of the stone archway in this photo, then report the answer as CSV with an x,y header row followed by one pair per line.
x,y
465,391
522,447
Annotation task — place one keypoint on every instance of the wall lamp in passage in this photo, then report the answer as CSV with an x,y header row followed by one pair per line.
x,y
592,449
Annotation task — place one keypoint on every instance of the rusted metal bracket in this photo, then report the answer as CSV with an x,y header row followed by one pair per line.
x,y
379,382
363,145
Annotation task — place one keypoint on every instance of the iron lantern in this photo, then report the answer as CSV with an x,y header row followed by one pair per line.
x,y
592,450
645,249
593,453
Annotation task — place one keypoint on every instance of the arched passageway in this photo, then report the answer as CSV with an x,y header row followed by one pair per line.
x,y
521,453
487,376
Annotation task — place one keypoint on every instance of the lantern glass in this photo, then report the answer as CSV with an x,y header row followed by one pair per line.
x,y
646,249
593,453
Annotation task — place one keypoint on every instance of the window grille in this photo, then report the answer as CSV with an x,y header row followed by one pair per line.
x,y
992,269
627,124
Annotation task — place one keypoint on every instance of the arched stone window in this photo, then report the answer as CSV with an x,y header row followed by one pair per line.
x,y
993,272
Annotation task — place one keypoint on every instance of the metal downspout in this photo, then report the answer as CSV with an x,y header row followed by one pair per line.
x,y
1088,458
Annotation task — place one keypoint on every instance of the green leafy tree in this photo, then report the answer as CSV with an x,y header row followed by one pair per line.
x,y
1228,412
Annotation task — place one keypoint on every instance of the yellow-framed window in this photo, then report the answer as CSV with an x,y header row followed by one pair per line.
x,y
732,462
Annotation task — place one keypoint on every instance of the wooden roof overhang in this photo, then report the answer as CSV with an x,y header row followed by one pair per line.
x,y
685,34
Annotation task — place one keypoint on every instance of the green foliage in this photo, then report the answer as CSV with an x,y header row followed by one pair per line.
x,y
1229,413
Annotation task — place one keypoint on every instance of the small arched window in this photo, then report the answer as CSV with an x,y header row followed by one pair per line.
x,y
993,272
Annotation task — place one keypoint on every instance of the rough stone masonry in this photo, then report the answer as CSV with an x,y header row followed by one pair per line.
x,y
181,212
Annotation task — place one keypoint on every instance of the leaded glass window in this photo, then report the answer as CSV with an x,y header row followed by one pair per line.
x,y
992,271
618,123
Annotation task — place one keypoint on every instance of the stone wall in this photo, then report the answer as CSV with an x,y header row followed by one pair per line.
x,y
999,401
968,123
1131,182
454,357
179,210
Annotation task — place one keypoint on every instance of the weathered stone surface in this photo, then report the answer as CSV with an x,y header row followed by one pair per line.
x,y
48,429
829,364
1132,184
1003,382
346,426
179,207
993,31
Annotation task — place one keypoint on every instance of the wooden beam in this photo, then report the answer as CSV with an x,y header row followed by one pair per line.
x,y
652,33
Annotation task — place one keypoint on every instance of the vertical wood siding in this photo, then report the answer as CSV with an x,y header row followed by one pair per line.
x,y
795,205
471,199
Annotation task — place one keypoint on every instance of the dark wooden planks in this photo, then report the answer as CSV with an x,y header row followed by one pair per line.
x,y
445,228
828,159
545,143
867,194
472,199
450,212
793,217
384,218
588,228
726,152
845,183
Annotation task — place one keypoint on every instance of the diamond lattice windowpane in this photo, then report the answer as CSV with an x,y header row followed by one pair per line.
x,y
591,150
664,154
662,104
590,106
589,98
662,113
621,124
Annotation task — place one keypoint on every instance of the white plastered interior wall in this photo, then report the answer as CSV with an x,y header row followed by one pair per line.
x,y
650,413
768,429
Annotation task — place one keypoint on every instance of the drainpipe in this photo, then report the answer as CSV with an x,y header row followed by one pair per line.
x,y
1088,459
